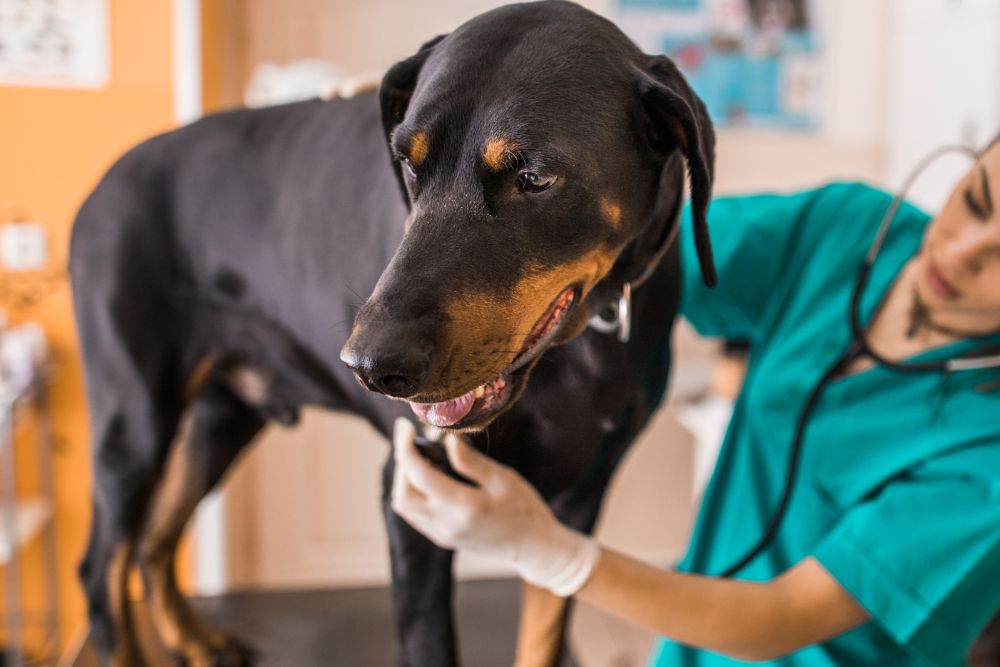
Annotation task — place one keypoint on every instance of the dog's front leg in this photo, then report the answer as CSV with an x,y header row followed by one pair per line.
x,y
542,639
542,628
422,586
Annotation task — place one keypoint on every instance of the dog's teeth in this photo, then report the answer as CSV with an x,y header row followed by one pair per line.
x,y
480,390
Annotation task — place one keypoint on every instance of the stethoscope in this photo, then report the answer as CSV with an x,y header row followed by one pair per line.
x,y
861,347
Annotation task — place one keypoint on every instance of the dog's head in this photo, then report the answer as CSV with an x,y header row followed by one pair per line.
x,y
531,144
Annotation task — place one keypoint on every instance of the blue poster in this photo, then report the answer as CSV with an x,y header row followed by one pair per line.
x,y
755,63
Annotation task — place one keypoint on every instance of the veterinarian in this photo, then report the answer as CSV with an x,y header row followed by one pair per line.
x,y
886,550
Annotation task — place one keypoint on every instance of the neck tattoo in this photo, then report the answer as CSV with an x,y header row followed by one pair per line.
x,y
920,319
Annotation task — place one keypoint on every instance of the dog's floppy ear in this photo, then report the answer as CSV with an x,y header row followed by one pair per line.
x,y
678,120
395,92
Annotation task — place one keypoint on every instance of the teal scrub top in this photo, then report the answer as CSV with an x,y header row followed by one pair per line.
x,y
898,493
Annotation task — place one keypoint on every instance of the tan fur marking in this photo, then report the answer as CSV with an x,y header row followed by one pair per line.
x,y
126,652
539,631
495,153
481,347
173,503
247,382
157,545
611,211
418,148
198,376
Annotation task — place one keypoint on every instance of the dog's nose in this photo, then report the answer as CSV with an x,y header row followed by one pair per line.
x,y
394,372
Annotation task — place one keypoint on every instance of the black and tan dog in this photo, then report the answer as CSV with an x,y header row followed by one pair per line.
x,y
216,271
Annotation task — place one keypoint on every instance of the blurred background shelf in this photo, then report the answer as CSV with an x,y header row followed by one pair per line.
x,y
31,517
30,627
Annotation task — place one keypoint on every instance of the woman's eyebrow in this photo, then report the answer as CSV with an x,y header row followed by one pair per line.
x,y
986,191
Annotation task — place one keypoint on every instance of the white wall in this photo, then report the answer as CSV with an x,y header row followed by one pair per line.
x,y
944,86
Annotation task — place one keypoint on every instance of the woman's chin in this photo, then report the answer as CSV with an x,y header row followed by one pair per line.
x,y
926,295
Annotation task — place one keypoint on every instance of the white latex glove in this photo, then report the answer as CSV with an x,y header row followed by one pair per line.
x,y
504,517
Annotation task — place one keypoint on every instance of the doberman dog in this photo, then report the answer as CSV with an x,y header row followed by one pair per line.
x,y
216,271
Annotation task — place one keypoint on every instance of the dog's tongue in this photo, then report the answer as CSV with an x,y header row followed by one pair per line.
x,y
445,413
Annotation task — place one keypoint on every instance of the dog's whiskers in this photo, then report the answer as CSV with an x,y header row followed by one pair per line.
x,y
353,291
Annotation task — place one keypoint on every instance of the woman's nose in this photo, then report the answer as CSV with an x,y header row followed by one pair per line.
x,y
967,249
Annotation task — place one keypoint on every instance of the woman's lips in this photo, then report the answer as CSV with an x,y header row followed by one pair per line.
x,y
939,285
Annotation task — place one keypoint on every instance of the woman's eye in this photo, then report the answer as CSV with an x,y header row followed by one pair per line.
x,y
974,206
530,182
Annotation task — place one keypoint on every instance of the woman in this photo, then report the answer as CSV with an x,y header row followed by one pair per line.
x,y
889,551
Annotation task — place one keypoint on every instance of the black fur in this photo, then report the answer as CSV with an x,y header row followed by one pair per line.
x,y
252,237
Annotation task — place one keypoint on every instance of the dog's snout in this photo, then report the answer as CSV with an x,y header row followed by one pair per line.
x,y
397,370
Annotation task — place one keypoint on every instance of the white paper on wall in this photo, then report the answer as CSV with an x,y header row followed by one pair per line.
x,y
54,43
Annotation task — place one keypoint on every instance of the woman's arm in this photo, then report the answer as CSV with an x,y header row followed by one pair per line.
x,y
744,620
504,517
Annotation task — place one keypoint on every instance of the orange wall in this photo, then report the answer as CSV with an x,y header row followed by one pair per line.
x,y
55,144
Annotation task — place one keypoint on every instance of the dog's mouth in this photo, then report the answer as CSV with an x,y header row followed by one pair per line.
x,y
478,406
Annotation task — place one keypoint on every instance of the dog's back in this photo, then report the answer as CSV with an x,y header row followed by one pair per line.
x,y
196,231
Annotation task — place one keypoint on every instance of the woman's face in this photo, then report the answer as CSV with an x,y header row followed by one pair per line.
x,y
959,264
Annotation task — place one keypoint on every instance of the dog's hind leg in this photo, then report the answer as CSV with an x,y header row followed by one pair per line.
x,y
132,422
126,467
422,587
215,429
104,573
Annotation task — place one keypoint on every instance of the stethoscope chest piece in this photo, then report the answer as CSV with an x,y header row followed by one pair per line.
x,y
619,320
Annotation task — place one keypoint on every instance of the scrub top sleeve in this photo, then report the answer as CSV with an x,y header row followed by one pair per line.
x,y
923,554
756,240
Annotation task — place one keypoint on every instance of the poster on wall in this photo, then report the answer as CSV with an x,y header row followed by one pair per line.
x,y
60,43
755,63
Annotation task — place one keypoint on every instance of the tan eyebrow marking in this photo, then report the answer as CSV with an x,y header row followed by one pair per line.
x,y
418,148
611,211
495,152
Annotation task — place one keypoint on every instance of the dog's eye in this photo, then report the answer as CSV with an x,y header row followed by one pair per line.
x,y
530,182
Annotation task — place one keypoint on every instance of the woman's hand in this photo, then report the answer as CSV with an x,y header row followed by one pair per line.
x,y
502,516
